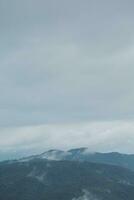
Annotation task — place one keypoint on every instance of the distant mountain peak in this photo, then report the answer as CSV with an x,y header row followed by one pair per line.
x,y
83,154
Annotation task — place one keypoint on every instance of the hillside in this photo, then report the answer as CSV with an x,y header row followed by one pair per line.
x,y
66,180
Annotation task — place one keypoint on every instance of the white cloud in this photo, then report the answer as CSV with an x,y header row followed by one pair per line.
x,y
97,136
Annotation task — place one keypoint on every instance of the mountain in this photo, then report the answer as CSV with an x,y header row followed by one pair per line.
x,y
82,154
42,179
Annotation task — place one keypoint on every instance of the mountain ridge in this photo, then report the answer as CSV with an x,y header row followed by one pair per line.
x,y
83,154
75,174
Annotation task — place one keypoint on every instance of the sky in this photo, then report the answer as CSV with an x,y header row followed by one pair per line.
x,y
66,75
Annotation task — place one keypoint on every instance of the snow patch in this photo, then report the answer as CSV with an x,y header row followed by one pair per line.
x,y
86,196
39,176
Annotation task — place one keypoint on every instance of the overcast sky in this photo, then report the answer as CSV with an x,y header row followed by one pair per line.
x,y
67,64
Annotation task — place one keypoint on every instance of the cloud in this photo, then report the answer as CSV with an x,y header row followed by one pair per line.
x,y
66,62
62,63
97,136
53,82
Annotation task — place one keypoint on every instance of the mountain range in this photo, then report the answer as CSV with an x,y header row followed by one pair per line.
x,y
83,154
76,174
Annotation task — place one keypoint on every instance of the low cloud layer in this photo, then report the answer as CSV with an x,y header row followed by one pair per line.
x,y
97,136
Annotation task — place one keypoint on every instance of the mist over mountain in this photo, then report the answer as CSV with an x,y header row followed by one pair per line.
x,y
83,154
